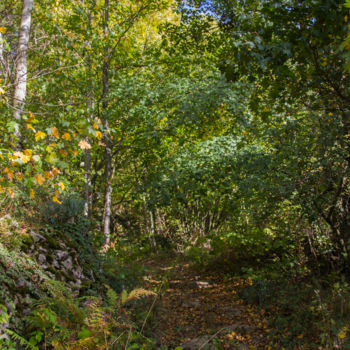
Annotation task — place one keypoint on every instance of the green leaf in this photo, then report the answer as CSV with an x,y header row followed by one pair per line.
x,y
84,333
124,296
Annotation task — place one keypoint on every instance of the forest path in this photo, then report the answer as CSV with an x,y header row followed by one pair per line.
x,y
200,310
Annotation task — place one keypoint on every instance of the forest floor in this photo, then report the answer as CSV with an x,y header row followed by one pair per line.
x,y
202,310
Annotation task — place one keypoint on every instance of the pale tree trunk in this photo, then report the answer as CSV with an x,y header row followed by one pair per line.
x,y
2,61
88,183
20,86
107,140
87,162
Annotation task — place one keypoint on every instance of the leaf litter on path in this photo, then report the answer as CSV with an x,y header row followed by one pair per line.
x,y
203,311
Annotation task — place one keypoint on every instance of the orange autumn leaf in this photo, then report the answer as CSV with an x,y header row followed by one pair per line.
x,y
10,192
19,176
63,152
55,199
31,117
66,136
55,133
55,171
48,175
39,179
10,175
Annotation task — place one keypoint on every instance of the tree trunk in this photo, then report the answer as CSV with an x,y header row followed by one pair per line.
x,y
88,183
20,86
87,162
107,139
2,61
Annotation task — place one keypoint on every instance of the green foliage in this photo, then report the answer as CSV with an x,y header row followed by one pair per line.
x,y
70,211
10,340
299,309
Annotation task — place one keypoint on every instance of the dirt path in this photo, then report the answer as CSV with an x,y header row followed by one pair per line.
x,y
203,311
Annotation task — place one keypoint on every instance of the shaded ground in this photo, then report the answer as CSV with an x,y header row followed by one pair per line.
x,y
200,310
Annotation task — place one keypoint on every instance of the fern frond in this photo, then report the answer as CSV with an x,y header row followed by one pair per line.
x,y
139,293
21,340
83,344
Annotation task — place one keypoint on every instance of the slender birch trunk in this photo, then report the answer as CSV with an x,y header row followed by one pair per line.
x,y
107,139
87,161
2,61
20,86
88,183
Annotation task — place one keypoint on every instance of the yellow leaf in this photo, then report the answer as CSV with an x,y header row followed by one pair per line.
x,y
84,145
40,135
28,152
55,133
30,126
95,126
99,135
2,30
39,179
19,176
342,334
330,114
66,136
55,199
25,159
61,185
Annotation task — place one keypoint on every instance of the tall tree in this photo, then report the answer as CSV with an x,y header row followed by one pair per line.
x,y
20,86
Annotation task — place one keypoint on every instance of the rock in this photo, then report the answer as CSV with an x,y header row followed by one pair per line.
x,y
42,258
61,254
37,237
68,264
